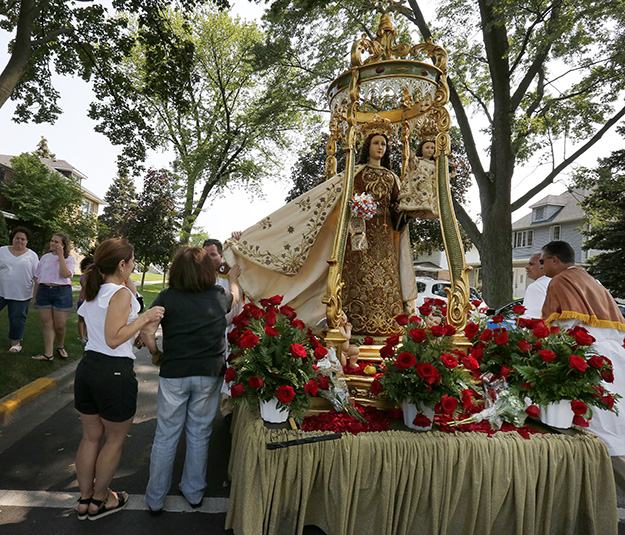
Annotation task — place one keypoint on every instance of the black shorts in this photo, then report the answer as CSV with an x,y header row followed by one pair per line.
x,y
106,386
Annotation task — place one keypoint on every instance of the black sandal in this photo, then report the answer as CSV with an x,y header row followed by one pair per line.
x,y
83,501
43,357
122,501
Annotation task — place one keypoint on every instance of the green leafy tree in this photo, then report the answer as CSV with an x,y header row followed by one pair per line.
x,y
47,202
43,150
121,200
154,226
82,39
4,231
527,74
228,121
604,207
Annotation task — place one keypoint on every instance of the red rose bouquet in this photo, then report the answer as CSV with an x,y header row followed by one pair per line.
x,y
425,369
546,365
272,356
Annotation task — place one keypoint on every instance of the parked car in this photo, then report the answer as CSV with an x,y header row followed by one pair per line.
x,y
429,288
509,317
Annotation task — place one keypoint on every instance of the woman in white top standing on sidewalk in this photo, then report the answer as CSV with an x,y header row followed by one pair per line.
x,y
105,387
53,295
17,280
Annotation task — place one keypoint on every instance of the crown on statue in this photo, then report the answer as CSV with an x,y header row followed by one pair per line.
x,y
428,131
377,125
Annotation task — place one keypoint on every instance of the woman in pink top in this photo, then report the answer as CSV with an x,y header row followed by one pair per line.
x,y
54,295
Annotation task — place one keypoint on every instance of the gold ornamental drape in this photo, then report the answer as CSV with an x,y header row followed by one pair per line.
x,y
402,482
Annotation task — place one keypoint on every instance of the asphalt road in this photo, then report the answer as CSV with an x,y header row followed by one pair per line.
x,y
38,489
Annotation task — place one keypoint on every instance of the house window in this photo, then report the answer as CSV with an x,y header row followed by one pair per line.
x,y
539,213
524,238
555,232
88,207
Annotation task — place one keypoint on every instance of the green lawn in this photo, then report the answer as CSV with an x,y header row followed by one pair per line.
x,y
17,369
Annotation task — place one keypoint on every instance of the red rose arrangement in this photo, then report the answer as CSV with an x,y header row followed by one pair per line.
x,y
545,364
272,356
425,369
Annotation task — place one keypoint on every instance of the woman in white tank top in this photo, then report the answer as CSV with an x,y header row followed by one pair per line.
x,y
105,387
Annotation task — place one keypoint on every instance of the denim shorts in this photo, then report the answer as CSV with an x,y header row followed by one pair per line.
x,y
55,297
106,386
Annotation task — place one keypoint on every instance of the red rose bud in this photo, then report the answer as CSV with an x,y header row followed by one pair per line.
x,y
255,382
470,362
421,420
505,371
324,382
314,343
607,376
498,318
298,351
233,335
247,340
415,319
241,321
532,411
471,330
270,319
578,420
287,311
402,319
438,330
583,338
387,352
392,340
425,310
418,335
376,387
285,394
368,340
264,302
526,385
448,404
311,387
230,375
524,346
547,356
271,331
519,309
320,352
502,339
276,300
449,361
477,353
595,362
298,324
579,407
467,398
554,329
486,335
237,390
608,400
449,330
541,332
428,373
405,360
257,313
578,363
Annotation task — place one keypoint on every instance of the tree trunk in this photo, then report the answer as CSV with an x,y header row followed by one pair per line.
x,y
18,63
143,272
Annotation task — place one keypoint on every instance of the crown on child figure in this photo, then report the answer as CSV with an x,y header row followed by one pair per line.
x,y
377,125
428,131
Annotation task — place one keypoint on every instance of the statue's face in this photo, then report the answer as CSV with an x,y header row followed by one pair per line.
x,y
428,150
377,148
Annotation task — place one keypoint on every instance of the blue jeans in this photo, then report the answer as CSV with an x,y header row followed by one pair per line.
x,y
18,311
189,402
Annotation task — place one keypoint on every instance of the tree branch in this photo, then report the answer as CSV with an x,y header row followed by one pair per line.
x,y
549,178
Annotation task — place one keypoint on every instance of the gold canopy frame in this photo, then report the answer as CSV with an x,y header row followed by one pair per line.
x,y
391,86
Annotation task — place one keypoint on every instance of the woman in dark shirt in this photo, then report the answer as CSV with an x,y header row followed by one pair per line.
x,y
190,380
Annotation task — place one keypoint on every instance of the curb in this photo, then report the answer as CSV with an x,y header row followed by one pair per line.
x,y
29,393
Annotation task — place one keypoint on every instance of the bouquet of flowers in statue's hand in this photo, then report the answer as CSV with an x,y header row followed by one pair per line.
x,y
363,205
271,356
425,369
546,365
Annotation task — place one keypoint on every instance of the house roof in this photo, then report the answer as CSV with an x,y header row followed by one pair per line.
x,y
59,166
570,210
